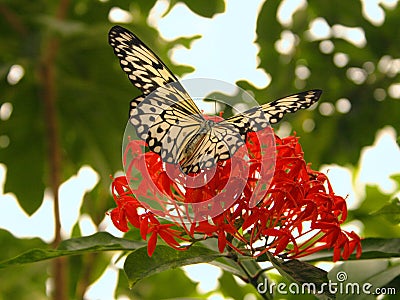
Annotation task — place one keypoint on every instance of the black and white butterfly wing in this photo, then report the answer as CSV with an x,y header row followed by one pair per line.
x,y
165,115
165,125
258,118
144,69
224,138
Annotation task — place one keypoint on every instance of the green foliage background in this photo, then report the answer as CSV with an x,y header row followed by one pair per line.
x,y
92,98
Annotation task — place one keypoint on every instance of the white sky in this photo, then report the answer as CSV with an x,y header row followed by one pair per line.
x,y
226,52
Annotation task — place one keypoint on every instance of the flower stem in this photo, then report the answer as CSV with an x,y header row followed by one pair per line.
x,y
255,275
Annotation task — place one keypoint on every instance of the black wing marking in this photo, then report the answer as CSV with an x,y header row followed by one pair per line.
x,y
260,117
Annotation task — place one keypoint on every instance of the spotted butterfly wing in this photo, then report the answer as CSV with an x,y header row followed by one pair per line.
x,y
144,69
260,117
169,121
165,115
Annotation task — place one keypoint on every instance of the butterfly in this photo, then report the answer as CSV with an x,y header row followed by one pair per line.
x,y
168,120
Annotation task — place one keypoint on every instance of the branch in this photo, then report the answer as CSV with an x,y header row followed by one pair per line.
x,y
13,19
47,73
254,275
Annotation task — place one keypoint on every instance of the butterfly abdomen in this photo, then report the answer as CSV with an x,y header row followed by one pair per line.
x,y
194,141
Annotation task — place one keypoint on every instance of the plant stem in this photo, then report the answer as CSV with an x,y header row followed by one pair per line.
x,y
255,275
47,73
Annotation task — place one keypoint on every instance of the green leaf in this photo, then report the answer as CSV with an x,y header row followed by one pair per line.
x,y
305,274
375,225
390,211
139,265
396,177
159,286
372,248
101,241
380,248
33,277
205,8
231,289
25,164
229,267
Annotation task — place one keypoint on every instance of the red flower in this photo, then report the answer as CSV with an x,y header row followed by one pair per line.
x,y
245,203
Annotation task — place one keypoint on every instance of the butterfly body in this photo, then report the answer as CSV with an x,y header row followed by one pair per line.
x,y
168,120
198,136
190,149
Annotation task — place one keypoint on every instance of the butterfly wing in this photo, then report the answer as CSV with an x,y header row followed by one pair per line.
x,y
144,69
165,115
258,118
165,125
231,133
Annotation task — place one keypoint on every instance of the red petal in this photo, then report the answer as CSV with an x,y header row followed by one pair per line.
x,y
119,220
221,241
152,243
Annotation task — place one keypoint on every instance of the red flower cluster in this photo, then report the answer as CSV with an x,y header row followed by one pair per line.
x,y
297,215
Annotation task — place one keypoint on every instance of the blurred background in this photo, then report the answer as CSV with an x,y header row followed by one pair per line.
x,y
64,105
